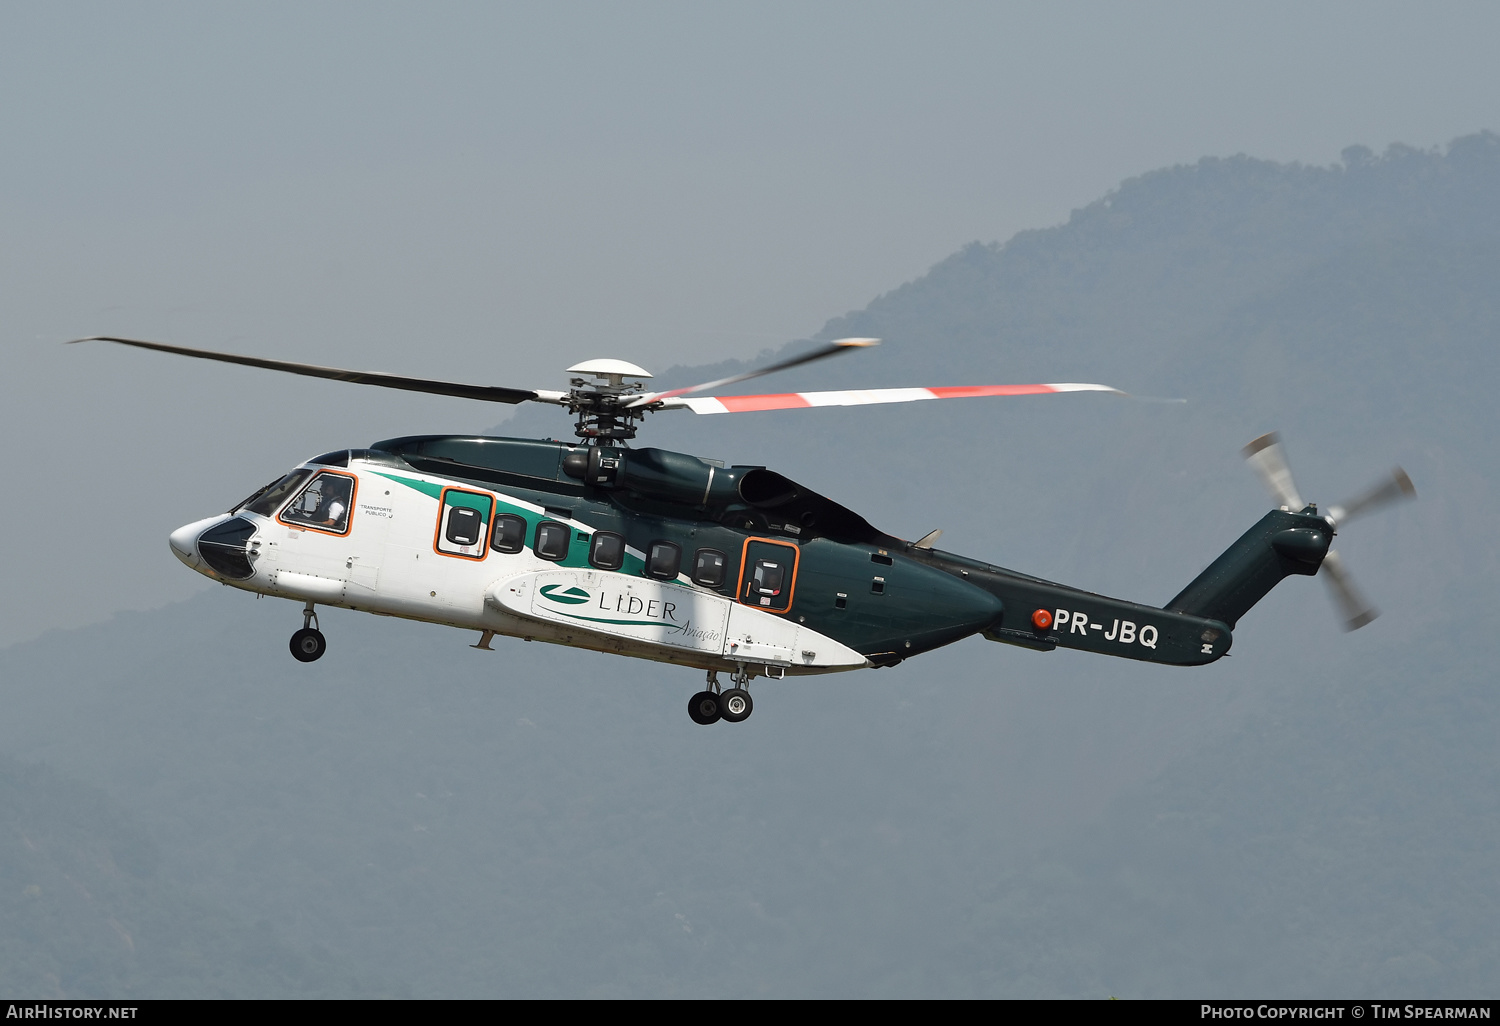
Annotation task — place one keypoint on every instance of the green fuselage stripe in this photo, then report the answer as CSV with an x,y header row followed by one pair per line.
x,y
578,554
624,623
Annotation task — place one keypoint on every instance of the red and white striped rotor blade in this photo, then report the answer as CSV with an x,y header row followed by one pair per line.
x,y
841,345
867,397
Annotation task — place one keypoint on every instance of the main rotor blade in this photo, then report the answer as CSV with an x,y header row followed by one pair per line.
x,y
1264,454
867,397
842,345
485,393
1397,486
1352,605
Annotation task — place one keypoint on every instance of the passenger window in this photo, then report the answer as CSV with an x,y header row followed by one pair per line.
x,y
509,533
323,505
465,527
768,573
664,560
708,567
607,550
767,581
464,523
552,540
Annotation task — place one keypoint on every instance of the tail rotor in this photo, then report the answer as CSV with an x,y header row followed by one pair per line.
x,y
1265,455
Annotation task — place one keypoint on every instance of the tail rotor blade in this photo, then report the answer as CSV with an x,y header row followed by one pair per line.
x,y
1352,605
1397,486
1264,454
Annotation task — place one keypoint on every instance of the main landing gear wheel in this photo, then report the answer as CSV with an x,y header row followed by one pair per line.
x,y
735,705
704,708
308,644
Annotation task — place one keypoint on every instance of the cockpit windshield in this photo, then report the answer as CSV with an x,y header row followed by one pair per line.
x,y
266,501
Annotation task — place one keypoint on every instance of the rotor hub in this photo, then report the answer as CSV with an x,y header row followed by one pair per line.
x,y
602,406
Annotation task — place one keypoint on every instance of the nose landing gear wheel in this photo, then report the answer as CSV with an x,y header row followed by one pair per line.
x,y
735,705
704,707
308,644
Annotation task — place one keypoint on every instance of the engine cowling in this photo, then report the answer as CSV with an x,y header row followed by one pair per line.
x,y
656,474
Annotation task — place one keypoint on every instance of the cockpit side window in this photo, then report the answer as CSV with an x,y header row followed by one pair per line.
x,y
323,505
268,500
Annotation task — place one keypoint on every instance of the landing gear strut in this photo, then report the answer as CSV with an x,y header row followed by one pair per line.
x,y
308,643
713,705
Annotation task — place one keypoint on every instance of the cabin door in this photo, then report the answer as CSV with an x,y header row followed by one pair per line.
x,y
768,574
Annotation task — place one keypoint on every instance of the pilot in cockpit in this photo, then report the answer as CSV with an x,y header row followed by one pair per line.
x,y
331,509
325,503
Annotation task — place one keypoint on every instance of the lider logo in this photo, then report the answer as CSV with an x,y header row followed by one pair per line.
x,y
624,612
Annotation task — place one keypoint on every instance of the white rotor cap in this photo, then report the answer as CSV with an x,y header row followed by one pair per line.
x,y
608,368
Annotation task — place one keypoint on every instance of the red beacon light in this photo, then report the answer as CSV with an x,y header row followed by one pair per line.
x,y
1042,618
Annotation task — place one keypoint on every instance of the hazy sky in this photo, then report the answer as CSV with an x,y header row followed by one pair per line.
x,y
491,192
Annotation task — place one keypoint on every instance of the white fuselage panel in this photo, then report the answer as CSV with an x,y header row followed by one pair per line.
x,y
388,562
667,614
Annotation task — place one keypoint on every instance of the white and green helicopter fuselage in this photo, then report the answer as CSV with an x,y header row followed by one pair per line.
x,y
376,536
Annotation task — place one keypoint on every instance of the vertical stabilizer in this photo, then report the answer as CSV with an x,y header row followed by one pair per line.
x,y
1280,545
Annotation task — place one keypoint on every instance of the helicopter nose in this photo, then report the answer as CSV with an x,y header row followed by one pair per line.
x,y
184,541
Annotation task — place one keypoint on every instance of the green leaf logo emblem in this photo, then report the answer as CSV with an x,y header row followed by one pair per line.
x,y
570,597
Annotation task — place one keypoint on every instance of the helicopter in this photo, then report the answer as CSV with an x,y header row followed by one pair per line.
x,y
670,557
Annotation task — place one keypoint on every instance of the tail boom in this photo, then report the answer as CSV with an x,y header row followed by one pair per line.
x,y
1043,615
1106,626
1194,628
